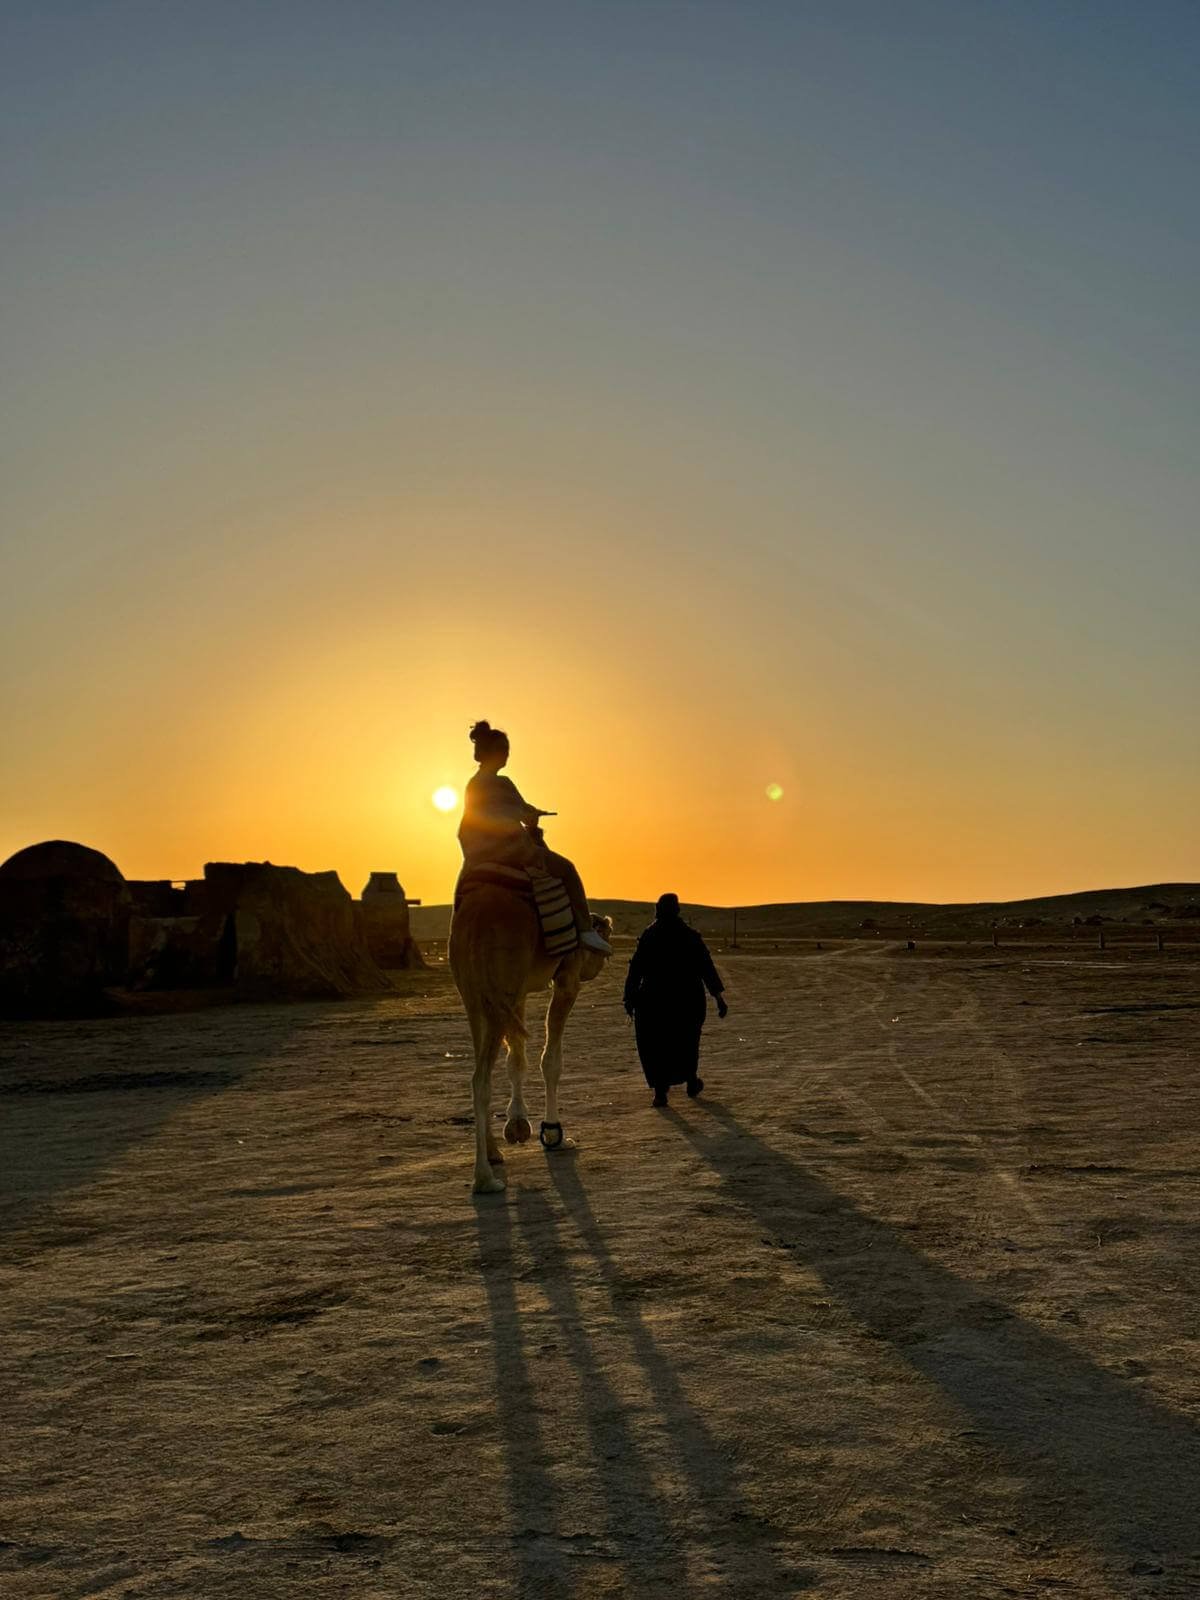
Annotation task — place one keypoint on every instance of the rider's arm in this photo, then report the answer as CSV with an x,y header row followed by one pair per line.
x,y
508,801
495,811
516,805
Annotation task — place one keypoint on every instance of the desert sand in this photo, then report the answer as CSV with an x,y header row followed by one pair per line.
x,y
905,1306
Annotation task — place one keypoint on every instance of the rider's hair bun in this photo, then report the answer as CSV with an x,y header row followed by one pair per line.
x,y
485,738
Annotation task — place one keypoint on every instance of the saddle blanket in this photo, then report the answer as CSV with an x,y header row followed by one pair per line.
x,y
550,900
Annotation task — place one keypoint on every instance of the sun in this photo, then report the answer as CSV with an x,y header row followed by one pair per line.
x,y
445,798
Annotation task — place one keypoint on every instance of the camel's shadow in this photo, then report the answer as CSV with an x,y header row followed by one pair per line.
x,y
1105,1466
649,1531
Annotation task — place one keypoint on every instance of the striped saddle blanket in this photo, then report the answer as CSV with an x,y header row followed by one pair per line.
x,y
549,897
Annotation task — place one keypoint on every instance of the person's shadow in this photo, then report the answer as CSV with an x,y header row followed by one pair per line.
x,y
1120,1468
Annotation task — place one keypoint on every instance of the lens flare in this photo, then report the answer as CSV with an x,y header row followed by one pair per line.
x,y
445,799
774,792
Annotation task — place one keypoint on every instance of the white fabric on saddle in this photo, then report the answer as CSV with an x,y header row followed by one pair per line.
x,y
559,932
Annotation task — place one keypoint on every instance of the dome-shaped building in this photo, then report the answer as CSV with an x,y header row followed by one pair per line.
x,y
64,929
59,858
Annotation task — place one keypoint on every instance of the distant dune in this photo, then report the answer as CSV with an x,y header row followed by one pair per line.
x,y
1161,905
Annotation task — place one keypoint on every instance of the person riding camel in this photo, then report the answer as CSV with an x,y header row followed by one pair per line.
x,y
500,826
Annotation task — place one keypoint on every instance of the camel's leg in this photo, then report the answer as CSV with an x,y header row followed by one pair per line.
x,y
494,1153
516,1128
565,994
486,1050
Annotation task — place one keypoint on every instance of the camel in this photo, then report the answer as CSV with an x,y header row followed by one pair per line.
x,y
497,958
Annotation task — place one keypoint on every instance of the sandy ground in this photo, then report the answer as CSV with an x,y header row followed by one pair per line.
x,y
905,1306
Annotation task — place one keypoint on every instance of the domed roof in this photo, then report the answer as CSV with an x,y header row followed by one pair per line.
x,y
59,858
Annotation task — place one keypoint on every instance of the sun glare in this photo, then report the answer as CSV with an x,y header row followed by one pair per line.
x,y
445,799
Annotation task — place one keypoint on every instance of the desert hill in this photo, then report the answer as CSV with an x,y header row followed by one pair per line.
x,y
1161,905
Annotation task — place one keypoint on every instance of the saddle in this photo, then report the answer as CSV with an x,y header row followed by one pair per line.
x,y
546,894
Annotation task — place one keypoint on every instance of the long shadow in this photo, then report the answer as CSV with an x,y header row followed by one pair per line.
x,y
638,1526
545,1562
74,1096
1120,1469
718,1515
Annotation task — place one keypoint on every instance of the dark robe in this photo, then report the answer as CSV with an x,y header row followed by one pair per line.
x,y
668,974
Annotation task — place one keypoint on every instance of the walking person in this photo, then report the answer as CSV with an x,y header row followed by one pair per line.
x,y
665,995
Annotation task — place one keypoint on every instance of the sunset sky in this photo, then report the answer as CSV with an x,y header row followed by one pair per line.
x,y
714,395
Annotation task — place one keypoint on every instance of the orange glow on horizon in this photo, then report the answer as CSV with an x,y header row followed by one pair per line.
x,y
307,737
807,544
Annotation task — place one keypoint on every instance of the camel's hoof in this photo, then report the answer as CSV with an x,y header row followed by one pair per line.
x,y
551,1135
492,1185
517,1130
